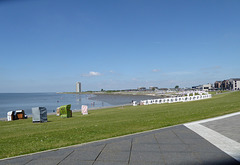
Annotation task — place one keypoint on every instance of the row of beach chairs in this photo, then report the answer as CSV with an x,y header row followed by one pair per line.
x,y
39,114
172,100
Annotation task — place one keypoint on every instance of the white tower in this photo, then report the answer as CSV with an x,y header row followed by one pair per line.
x,y
78,87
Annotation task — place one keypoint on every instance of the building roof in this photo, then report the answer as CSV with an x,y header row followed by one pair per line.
x,y
163,88
235,79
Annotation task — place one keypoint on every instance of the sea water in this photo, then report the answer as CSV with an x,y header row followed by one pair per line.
x,y
26,101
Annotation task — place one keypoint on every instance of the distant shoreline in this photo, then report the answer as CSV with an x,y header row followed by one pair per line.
x,y
114,93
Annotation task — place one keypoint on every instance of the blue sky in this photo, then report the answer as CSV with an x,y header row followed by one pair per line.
x,y
49,45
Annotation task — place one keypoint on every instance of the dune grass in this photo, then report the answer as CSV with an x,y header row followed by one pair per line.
x,y
23,136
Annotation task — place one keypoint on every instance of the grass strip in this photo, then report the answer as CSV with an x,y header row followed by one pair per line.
x,y
23,136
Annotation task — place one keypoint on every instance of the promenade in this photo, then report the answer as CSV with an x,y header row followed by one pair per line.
x,y
211,141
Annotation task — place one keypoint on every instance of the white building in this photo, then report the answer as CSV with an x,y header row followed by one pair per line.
x,y
207,87
78,87
204,87
235,83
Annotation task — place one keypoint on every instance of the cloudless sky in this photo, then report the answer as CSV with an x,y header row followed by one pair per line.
x,y
49,45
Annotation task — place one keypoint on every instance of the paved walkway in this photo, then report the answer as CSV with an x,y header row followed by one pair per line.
x,y
182,144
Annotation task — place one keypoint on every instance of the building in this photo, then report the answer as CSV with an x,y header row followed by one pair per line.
x,y
234,84
153,88
196,87
78,87
205,87
217,84
225,85
230,84
142,88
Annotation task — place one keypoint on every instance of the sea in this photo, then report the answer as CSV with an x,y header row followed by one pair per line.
x,y
26,101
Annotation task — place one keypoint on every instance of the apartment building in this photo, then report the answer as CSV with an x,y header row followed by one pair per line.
x,y
234,83
230,84
217,84
225,85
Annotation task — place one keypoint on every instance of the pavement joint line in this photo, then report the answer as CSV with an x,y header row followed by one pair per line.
x,y
29,161
99,154
188,147
159,146
224,143
66,157
130,151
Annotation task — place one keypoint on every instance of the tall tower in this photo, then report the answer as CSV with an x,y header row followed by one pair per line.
x,y
78,87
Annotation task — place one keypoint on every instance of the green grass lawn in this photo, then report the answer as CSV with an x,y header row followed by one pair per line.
x,y
23,136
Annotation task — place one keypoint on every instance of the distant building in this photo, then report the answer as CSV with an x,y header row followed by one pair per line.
x,y
78,87
230,84
204,87
234,84
196,87
142,89
207,87
225,85
163,89
217,84
153,88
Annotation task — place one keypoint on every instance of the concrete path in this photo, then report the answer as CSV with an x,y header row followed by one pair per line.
x,y
182,144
